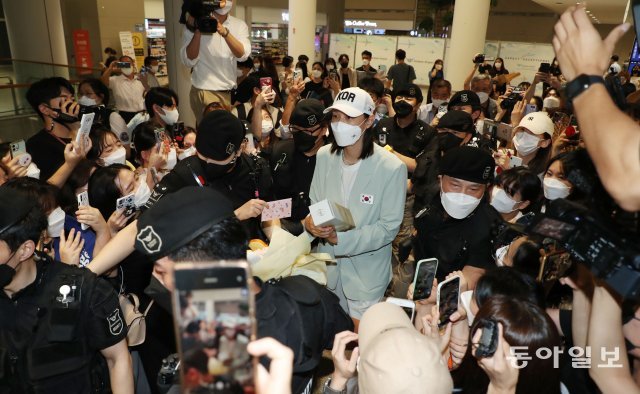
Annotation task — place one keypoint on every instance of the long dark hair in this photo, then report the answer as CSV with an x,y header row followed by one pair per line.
x,y
540,161
103,191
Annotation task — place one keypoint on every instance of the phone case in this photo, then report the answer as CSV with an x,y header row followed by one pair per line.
x,y
444,315
83,200
427,292
126,204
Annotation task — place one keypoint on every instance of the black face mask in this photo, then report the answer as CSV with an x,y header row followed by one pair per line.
x,y
344,65
448,141
402,108
215,171
303,141
160,294
6,275
63,118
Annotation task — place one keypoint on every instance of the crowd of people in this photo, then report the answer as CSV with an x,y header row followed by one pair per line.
x,y
96,218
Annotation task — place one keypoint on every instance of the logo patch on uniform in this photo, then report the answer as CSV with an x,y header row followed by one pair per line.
x,y
487,172
464,98
150,240
312,120
115,322
366,199
231,148
412,91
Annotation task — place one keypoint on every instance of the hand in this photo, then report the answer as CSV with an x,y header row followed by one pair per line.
x,y
278,378
332,84
223,31
70,107
430,328
464,285
251,209
540,77
297,88
158,158
502,159
117,221
266,97
13,169
576,41
319,232
518,112
92,217
426,301
555,83
503,374
73,152
71,247
344,368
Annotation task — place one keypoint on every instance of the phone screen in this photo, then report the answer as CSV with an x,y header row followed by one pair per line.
x,y
214,310
423,281
448,294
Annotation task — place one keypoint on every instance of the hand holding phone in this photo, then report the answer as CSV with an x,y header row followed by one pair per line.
x,y
448,296
423,279
488,342
297,75
126,204
408,306
19,149
266,84
83,201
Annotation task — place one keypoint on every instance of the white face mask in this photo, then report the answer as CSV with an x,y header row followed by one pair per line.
x,y
498,65
172,159
501,201
483,97
437,103
142,193
458,205
501,253
190,151
55,222
365,62
267,126
554,188
239,73
226,9
87,101
329,67
127,71
525,143
438,67
346,134
170,116
316,73
119,156
154,69
382,109
256,66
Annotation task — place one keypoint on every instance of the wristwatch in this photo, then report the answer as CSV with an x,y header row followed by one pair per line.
x,y
581,83
226,29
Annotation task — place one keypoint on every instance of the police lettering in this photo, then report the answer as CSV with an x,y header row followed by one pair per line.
x,y
347,96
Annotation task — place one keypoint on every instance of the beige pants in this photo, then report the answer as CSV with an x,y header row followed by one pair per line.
x,y
199,99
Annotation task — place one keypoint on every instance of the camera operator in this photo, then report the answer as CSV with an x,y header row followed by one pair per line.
x,y
212,57
615,154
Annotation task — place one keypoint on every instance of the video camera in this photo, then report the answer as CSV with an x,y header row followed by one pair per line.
x,y
591,242
202,13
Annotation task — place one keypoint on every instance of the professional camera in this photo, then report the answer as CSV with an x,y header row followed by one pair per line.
x,y
168,375
202,13
591,242
479,59
512,99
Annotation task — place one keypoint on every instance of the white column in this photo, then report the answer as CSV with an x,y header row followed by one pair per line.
x,y
302,28
179,75
470,18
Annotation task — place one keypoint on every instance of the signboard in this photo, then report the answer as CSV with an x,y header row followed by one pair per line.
x,y
82,50
126,43
138,47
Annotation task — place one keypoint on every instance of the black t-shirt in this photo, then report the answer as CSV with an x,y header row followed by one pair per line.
x,y
317,91
346,83
47,152
455,242
370,70
408,141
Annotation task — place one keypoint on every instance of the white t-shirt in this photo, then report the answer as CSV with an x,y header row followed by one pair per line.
x,y
215,67
128,93
348,173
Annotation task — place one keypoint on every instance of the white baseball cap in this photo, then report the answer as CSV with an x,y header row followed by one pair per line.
x,y
353,102
537,122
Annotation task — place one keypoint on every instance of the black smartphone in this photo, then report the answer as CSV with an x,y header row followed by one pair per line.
x,y
448,296
488,339
123,64
214,321
423,279
544,68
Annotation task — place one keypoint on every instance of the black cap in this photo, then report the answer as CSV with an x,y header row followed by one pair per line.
x,y
178,218
13,207
219,135
469,164
409,90
307,113
465,97
457,121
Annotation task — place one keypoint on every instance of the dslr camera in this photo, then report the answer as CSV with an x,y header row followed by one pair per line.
x,y
512,99
478,59
591,242
202,13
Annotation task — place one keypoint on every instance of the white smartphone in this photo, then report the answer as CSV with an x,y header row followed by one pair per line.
x,y
297,75
515,161
126,204
423,279
448,297
530,108
83,201
408,306
214,321
85,127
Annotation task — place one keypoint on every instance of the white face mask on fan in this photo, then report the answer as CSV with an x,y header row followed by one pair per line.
x,y
458,205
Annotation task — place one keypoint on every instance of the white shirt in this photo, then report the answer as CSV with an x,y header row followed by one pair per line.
x,y
215,67
128,93
349,173
426,113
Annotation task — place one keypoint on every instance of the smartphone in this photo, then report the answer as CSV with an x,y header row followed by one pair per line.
x,y
448,295
553,266
266,83
214,321
443,109
382,69
19,149
333,74
488,342
123,64
408,306
544,68
529,108
423,279
126,204
83,201
504,133
85,127
515,161
297,74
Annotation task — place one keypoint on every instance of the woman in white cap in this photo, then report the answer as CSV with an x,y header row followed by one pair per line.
x,y
370,181
532,143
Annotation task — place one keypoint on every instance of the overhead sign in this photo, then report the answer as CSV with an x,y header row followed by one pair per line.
x,y
355,23
82,50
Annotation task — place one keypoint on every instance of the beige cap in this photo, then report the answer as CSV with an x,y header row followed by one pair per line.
x,y
538,123
396,358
